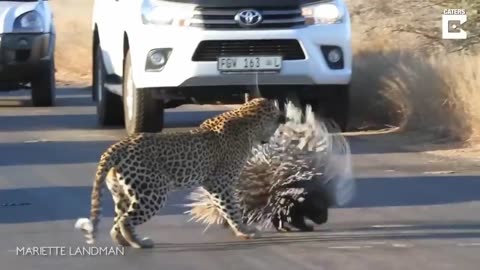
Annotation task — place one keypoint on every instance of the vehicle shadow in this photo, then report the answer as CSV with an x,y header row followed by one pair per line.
x,y
88,122
43,153
65,97
26,123
63,203
59,117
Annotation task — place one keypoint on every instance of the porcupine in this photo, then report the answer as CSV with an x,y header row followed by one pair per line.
x,y
304,170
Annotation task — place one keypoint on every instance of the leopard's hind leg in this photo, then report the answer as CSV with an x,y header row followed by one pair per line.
x,y
121,202
115,232
146,198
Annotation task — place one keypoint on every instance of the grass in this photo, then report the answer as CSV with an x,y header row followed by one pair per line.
x,y
409,80
436,94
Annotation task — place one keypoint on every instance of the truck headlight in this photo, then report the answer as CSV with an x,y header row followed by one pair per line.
x,y
164,13
30,21
325,12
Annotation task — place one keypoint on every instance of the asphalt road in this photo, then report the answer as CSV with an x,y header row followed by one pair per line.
x,y
405,215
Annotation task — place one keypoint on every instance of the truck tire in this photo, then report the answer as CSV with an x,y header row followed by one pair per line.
x,y
43,86
109,105
333,105
142,112
94,65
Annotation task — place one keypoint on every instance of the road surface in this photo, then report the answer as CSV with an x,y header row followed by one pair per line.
x,y
404,216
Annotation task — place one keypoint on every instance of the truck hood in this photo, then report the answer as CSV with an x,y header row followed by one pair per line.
x,y
245,3
11,10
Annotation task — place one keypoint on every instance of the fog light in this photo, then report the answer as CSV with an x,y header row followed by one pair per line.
x,y
334,56
157,59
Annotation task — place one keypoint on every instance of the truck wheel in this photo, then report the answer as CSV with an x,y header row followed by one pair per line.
x,y
43,86
142,112
109,105
94,66
335,105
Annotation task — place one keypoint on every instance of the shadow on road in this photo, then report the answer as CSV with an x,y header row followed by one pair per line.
x,y
60,117
310,238
173,119
26,205
43,153
28,123
417,190
65,97
64,203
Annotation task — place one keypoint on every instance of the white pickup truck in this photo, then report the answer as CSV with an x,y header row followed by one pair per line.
x,y
27,46
149,55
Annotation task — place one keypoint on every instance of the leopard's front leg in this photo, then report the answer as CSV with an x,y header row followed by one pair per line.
x,y
226,202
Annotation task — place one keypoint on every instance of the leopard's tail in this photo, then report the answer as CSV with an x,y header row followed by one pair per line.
x,y
89,226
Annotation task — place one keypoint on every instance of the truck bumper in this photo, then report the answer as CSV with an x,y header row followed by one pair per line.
x,y
23,55
183,70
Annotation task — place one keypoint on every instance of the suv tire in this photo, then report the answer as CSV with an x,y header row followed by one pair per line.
x,y
43,86
142,112
109,105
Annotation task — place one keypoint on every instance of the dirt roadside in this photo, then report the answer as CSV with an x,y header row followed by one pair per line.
x,y
73,46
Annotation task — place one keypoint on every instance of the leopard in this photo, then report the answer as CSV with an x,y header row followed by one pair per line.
x,y
141,170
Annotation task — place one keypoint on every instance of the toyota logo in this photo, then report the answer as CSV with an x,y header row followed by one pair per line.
x,y
248,17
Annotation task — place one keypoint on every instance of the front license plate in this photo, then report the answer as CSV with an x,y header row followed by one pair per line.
x,y
249,63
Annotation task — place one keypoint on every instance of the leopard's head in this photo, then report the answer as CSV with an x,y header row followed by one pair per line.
x,y
259,118
265,117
